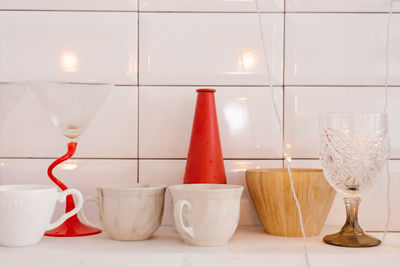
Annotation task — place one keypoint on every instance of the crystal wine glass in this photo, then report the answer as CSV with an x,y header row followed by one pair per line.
x,y
354,149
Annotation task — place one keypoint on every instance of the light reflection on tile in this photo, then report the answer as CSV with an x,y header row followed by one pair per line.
x,y
226,57
84,46
247,125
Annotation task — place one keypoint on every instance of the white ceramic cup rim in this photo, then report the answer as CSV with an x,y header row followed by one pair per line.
x,y
206,191
132,189
26,188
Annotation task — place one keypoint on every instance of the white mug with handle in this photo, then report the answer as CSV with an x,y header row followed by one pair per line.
x,y
128,212
26,212
206,214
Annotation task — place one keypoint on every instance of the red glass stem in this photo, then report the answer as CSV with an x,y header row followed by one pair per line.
x,y
71,151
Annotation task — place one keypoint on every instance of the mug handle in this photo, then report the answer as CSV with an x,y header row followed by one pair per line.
x,y
178,213
83,215
61,198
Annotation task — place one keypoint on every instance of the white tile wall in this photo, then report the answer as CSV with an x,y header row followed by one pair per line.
x,y
208,49
325,55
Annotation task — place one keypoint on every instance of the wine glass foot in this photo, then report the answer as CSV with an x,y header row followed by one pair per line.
x,y
73,227
351,240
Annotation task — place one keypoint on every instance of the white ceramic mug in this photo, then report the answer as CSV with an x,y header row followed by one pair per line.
x,y
206,214
26,211
128,212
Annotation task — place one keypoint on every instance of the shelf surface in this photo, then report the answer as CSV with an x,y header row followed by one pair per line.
x,y
250,246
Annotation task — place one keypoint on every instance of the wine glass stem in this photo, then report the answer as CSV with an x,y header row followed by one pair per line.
x,y
351,226
70,205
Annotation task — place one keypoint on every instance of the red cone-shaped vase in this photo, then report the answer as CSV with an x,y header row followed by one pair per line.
x,y
205,163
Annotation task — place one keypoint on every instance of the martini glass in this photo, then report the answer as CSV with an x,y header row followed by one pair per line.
x,y
354,149
71,106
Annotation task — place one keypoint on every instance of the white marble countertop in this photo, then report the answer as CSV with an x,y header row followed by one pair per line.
x,y
248,247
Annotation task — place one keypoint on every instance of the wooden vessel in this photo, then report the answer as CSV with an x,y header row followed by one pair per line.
x,y
275,204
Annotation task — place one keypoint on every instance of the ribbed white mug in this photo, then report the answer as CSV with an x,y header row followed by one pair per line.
x,y
26,211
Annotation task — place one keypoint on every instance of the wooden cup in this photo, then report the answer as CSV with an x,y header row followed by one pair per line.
x,y
275,204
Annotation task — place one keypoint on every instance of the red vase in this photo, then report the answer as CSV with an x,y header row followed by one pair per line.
x,y
205,163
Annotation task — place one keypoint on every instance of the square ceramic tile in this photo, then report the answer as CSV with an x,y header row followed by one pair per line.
x,y
340,49
395,6
304,104
394,121
247,125
77,46
70,5
373,207
394,52
208,49
83,175
341,5
171,172
29,132
113,131
210,5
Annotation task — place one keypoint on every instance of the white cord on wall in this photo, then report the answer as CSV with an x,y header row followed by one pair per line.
x,y
279,120
300,215
387,202
388,23
276,112
268,70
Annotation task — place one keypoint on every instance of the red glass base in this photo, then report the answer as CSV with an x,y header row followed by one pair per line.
x,y
73,227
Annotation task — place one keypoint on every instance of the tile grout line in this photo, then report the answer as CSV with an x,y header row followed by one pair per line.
x,y
268,12
150,158
138,97
257,85
195,12
283,81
